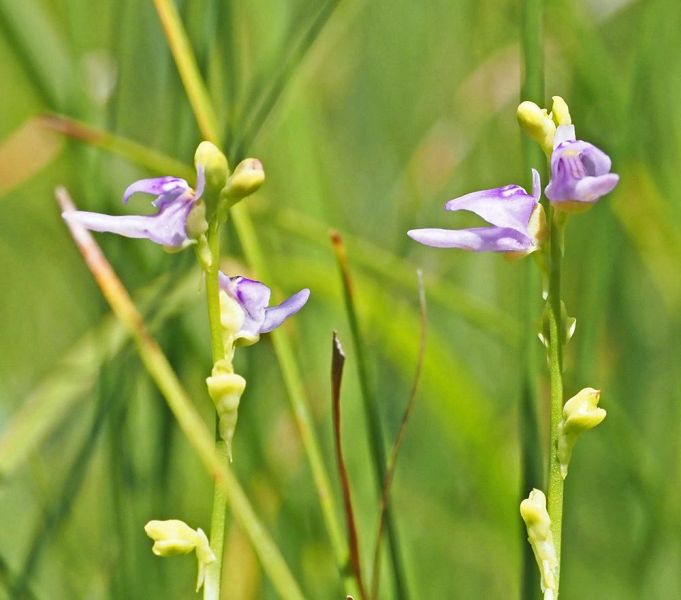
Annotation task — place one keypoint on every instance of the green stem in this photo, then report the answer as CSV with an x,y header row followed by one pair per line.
x,y
211,586
188,69
530,444
555,486
213,290
211,590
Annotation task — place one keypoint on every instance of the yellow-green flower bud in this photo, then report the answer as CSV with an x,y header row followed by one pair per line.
x,y
175,537
580,413
247,178
225,389
537,124
560,113
215,167
533,511
171,537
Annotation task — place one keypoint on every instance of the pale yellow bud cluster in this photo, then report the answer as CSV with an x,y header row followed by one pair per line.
x,y
540,125
225,389
580,413
174,537
247,178
534,513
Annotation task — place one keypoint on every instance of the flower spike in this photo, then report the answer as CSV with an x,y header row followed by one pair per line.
x,y
517,224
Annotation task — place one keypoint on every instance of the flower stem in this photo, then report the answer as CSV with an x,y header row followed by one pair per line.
x,y
211,590
531,475
556,337
213,290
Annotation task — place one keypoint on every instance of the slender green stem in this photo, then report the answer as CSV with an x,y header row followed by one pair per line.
x,y
188,69
211,590
556,337
211,586
213,290
530,444
191,424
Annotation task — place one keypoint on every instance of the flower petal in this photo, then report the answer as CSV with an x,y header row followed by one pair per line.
x,y
156,186
253,298
477,239
564,133
166,227
276,315
596,162
509,206
591,189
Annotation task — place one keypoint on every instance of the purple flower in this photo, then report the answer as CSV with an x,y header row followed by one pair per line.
x,y
580,172
515,217
174,201
253,298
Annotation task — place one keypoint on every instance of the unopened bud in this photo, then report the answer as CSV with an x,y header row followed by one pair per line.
x,y
175,537
538,523
246,179
225,389
560,113
215,167
580,413
537,124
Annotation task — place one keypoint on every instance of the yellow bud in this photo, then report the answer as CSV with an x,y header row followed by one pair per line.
x,y
225,389
560,113
175,537
580,413
537,124
171,537
247,178
533,511
215,167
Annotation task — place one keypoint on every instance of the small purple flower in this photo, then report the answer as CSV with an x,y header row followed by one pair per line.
x,y
515,217
174,201
580,172
253,298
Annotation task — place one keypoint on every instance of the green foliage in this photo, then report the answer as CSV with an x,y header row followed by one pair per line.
x,y
367,117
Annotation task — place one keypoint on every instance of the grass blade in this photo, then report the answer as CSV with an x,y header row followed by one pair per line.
x,y
371,411
337,364
188,68
394,452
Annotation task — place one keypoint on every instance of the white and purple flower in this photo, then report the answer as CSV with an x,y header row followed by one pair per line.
x,y
253,298
174,200
516,221
580,172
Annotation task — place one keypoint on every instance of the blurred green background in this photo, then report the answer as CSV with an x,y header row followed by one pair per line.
x,y
368,116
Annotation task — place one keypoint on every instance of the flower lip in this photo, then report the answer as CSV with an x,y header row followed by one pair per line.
x,y
508,210
253,298
168,227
